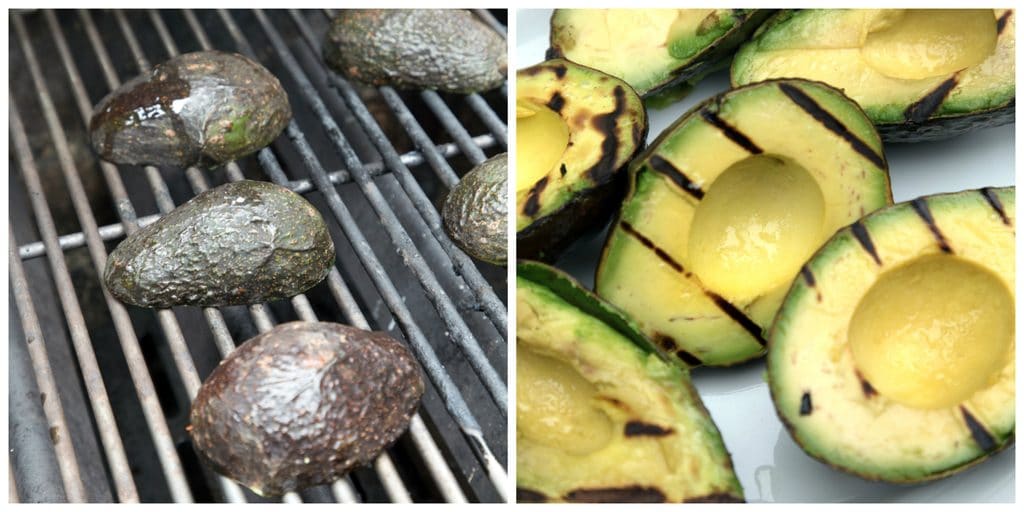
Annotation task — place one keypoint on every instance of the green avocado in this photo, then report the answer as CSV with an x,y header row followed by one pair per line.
x,y
600,415
476,211
727,204
244,242
653,50
919,74
202,108
893,356
576,130
444,49
303,404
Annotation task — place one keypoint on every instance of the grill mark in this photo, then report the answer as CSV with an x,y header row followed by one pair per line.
x,y
665,167
826,119
1001,22
808,276
607,124
553,53
556,102
639,428
628,494
921,207
726,307
922,109
979,433
524,495
729,131
806,407
560,70
720,497
862,236
563,170
997,205
532,205
689,358
865,386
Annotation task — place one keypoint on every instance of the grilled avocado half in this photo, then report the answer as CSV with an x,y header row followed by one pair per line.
x,y
893,355
920,74
651,49
576,129
727,204
601,416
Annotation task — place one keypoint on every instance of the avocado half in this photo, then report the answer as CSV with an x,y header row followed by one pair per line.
x,y
920,74
651,49
601,417
893,355
576,129
727,204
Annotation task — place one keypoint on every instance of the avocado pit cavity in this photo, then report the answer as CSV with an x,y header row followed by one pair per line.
x,y
923,43
542,136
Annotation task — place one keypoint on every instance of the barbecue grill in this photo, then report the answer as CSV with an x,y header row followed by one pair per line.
x,y
100,392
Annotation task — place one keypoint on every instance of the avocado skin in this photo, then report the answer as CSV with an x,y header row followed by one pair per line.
x,y
303,404
443,49
476,211
946,127
708,60
244,242
203,108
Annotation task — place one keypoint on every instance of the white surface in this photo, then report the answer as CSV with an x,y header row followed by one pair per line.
x,y
769,464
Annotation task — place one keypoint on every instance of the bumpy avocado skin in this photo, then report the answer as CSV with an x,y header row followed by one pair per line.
x,y
304,403
244,242
476,211
203,108
443,49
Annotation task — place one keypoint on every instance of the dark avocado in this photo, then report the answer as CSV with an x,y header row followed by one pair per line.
x,y
443,49
303,404
202,108
476,212
240,243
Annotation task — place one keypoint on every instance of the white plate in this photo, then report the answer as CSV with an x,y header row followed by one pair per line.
x,y
771,467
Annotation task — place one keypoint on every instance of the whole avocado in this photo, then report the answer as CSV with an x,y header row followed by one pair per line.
x,y
476,212
304,403
244,242
443,49
203,108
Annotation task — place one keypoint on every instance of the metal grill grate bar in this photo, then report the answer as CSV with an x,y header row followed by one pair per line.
x,y
453,126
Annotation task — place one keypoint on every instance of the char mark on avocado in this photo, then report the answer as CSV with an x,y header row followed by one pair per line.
x,y
553,53
562,170
979,433
556,102
639,428
865,386
665,167
606,124
826,119
995,203
1001,22
532,205
668,344
658,251
560,70
629,494
524,495
806,407
921,208
808,276
689,358
720,497
864,238
731,132
922,109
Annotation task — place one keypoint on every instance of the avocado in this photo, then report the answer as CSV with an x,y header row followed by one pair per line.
x,y
576,129
203,108
303,404
919,74
726,205
893,355
652,49
448,50
243,242
476,211
600,415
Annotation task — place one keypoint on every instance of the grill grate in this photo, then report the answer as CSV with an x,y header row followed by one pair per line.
x,y
421,286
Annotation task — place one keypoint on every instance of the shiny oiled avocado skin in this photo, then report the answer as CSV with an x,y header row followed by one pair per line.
x,y
475,212
892,416
605,418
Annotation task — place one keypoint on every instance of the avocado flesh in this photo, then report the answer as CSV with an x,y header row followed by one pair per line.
x,y
893,357
919,74
577,128
600,416
651,49
475,212
726,206
449,50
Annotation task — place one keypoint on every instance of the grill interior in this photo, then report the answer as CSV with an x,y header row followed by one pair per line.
x,y
100,392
